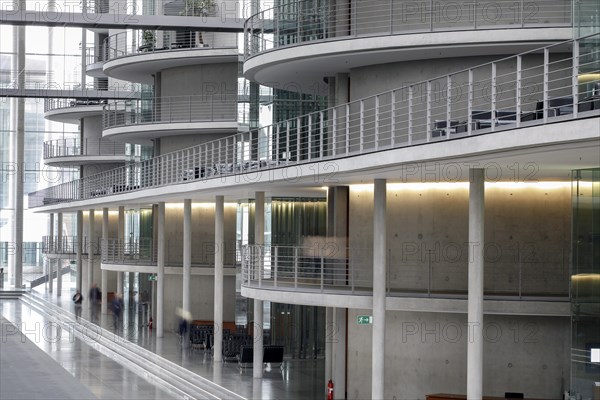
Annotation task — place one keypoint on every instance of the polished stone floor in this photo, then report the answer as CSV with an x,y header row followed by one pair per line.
x,y
298,379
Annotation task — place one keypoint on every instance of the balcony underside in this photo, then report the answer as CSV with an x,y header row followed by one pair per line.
x,y
408,302
75,161
304,64
72,115
144,133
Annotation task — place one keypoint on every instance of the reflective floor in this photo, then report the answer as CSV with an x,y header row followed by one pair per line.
x,y
298,379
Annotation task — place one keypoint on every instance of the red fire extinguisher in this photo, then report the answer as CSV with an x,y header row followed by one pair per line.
x,y
330,390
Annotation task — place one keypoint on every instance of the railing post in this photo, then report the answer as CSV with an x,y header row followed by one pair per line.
x,y
322,273
321,134
287,144
575,82
470,104
546,83
376,122
275,262
347,128
448,106
519,88
261,264
428,116
309,150
410,115
361,125
334,131
295,267
494,92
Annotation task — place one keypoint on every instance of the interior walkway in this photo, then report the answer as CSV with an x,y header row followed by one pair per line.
x,y
106,379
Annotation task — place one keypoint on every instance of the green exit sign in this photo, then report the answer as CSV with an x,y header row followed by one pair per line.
x,y
364,319
152,277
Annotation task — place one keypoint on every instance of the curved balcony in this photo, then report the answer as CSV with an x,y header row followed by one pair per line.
x,y
142,120
323,275
352,34
72,110
427,119
95,57
135,55
70,152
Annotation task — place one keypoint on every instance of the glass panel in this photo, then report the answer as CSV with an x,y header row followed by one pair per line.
x,y
585,283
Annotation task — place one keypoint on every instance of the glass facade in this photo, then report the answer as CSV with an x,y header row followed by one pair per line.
x,y
585,285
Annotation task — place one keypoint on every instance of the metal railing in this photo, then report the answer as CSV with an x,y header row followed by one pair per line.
x,y
68,245
143,251
58,104
533,88
194,108
95,54
305,21
48,80
133,42
329,269
90,147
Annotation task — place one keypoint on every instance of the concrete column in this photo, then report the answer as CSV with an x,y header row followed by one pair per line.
x,y
218,300
160,283
59,261
79,243
121,237
104,302
259,240
329,340
91,240
475,301
379,274
187,252
339,353
19,158
51,260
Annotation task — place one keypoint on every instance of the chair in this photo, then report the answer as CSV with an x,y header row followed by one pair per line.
x,y
440,129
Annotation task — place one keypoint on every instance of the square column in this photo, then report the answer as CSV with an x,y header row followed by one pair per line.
x,y
379,274
104,273
475,300
51,250
339,353
218,300
187,252
121,242
79,256
160,282
90,249
59,261
259,241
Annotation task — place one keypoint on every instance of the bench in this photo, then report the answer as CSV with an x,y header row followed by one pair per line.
x,y
271,354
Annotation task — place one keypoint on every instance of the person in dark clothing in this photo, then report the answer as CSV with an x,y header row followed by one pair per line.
x,y
94,298
77,299
117,307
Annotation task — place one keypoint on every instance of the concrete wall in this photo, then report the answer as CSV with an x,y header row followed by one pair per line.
x,y
205,79
527,235
426,353
202,298
527,228
203,234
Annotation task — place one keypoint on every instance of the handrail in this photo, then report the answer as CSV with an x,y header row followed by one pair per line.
x,y
142,41
69,245
74,148
304,21
192,108
330,269
58,104
144,251
533,88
